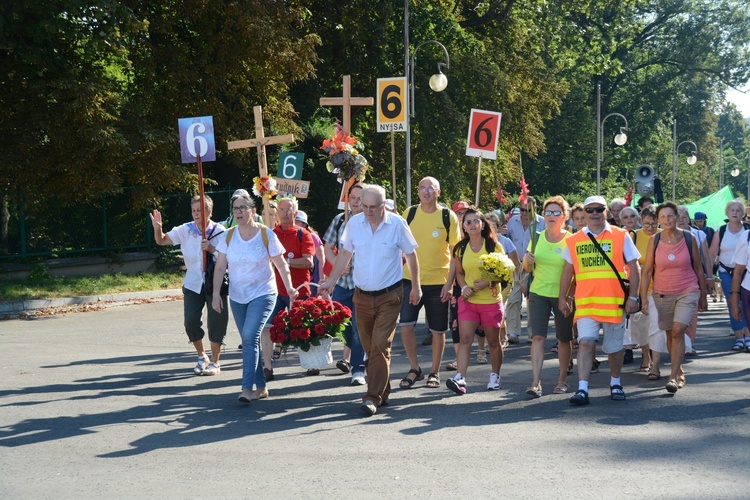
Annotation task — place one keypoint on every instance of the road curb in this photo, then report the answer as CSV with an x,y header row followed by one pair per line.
x,y
31,305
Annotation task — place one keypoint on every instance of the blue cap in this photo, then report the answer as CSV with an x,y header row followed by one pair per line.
x,y
700,216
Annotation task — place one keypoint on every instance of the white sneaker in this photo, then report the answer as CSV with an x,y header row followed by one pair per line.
x,y
213,369
203,362
494,384
358,378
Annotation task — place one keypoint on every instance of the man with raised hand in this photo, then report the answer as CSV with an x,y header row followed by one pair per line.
x,y
599,302
380,240
343,292
436,230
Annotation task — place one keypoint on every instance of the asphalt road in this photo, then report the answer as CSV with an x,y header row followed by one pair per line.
x,y
104,403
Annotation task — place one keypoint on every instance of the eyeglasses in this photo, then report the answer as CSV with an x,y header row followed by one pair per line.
x,y
553,212
472,222
595,210
241,209
426,189
525,210
371,207
650,224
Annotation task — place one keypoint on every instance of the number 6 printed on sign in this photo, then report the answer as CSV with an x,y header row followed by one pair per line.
x,y
197,139
484,128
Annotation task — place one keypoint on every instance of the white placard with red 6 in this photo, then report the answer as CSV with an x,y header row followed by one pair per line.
x,y
484,128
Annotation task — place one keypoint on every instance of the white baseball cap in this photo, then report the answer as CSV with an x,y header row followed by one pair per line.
x,y
595,200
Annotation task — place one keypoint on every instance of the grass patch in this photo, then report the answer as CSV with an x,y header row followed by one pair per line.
x,y
45,287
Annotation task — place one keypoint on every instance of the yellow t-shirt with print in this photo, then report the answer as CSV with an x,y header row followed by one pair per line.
x,y
473,271
433,252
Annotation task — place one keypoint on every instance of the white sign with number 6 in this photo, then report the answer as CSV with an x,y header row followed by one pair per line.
x,y
197,139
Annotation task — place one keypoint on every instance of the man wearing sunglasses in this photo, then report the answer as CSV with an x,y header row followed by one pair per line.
x,y
599,302
519,232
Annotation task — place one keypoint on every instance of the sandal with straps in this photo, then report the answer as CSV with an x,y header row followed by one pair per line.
x,y
408,383
433,381
739,345
481,357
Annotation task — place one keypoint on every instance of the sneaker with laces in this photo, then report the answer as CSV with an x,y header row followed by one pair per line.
x,y
358,378
580,398
494,383
456,385
202,364
212,369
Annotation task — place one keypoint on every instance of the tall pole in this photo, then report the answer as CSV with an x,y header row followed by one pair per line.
x,y
599,139
747,200
721,163
407,69
674,156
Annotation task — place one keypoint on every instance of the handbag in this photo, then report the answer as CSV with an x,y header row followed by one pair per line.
x,y
208,282
624,282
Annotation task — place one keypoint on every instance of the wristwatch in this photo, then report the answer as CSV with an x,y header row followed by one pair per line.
x,y
637,299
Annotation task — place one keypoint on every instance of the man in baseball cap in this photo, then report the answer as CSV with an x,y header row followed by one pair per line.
x,y
600,302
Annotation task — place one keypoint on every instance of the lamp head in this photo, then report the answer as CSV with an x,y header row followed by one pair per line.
x,y
438,81
692,159
735,172
621,138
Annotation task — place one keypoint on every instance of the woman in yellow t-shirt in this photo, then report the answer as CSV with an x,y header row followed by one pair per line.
x,y
547,263
479,303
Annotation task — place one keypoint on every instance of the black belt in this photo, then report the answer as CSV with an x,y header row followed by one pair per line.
x,y
375,293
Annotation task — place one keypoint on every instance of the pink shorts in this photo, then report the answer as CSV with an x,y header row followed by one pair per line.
x,y
490,315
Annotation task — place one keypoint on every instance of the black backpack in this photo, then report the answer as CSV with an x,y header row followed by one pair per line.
x,y
446,220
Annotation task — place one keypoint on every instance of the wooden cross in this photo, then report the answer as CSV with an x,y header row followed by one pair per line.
x,y
260,142
347,101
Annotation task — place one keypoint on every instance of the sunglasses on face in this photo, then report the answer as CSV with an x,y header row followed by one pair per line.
x,y
553,212
525,210
472,222
595,210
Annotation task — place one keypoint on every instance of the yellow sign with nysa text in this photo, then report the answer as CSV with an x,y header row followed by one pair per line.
x,y
392,104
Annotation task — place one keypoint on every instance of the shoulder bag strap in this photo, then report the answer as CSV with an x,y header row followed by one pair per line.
x,y
609,261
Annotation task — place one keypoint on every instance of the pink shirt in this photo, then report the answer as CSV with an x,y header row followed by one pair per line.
x,y
673,276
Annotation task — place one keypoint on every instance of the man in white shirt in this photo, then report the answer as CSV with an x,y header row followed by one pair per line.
x,y
519,231
380,239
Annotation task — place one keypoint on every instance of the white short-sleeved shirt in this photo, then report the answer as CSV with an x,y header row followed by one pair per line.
x,y
379,253
189,239
742,256
728,246
629,250
250,273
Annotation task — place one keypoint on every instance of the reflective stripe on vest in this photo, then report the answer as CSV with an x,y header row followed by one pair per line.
x,y
598,292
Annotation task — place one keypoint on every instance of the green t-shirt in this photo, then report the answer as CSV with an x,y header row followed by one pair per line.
x,y
548,265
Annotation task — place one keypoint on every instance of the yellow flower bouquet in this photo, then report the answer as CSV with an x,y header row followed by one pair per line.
x,y
497,267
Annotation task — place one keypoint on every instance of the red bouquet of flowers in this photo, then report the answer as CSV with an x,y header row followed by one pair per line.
x,y
310,321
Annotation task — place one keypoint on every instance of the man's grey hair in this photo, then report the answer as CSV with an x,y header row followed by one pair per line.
x,y
617,202
378,191
290,199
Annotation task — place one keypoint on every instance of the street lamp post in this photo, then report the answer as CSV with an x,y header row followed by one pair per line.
x,y
620,139
736,171
438,83
675,148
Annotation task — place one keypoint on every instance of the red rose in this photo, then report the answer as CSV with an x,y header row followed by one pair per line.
x,y
328,320
316,312
296,321
320,329
304,333
347,312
